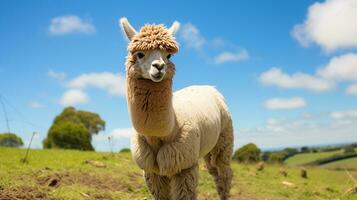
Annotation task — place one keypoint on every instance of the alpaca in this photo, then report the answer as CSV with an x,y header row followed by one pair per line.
x,y
172,131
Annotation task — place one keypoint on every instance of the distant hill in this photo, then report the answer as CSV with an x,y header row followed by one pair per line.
x,y
329,160
304,158
349,164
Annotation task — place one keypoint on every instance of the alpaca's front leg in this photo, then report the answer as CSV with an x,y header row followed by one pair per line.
x,y
159,186
143,155
180,154
184,184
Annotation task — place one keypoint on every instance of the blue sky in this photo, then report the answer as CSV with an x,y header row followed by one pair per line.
x,y
288,69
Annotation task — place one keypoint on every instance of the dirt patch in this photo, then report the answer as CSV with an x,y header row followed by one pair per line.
x,y
23,193
70,178
53,180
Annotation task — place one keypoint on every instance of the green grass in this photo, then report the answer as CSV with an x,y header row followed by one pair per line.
x,y
350,163
122,179
303,158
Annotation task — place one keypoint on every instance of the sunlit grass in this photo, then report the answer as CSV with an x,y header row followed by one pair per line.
x,y
122,179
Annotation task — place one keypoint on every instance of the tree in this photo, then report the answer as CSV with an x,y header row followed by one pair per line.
x,y
265,155
248,153
68,135
92,121
305,150
277,157
290,151
280,156
10,140
349,149
73,129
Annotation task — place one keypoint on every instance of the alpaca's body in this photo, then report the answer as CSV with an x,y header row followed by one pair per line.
x,y
173,130
207,113
202,128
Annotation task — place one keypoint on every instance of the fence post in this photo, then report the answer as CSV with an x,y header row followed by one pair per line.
x,y
25,159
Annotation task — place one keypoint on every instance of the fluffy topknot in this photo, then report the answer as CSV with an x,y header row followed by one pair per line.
x,y
153,37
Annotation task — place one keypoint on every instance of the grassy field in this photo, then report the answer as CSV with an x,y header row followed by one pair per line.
x,y
303,158
350,163
67,175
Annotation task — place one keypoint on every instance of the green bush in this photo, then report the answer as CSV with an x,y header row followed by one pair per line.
x,y
124,150
305,150
277,157
68,135
349,149
290,151
10,140
249,153
265,155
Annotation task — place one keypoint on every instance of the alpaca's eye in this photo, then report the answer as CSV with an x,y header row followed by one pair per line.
x,y
140,55
168,56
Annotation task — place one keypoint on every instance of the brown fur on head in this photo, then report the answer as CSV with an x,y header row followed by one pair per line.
x,y
153,37
149,51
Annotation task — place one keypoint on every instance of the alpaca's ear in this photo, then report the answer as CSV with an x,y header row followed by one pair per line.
x,y
174,27
127,28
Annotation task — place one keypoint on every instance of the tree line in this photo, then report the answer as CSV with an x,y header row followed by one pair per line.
x,y
250,153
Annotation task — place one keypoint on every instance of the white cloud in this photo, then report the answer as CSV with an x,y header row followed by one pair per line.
x,y
36,104
67,24
73,97
231,57
341,68
192,36
121,133
113,84
299,33
56,75
116,134
352,89
218,42
273,121
322,129
330,24
276,77
289,103
344,114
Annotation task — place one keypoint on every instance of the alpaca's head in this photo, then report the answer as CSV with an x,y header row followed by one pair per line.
x,y
150,51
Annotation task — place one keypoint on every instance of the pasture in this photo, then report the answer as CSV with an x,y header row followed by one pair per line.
x,y
78,175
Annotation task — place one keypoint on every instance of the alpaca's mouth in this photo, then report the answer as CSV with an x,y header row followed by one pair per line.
x,y
157,77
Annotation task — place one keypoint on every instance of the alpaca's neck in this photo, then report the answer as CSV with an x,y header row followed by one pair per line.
x,y
150,106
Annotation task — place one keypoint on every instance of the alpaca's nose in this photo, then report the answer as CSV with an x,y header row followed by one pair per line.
x,y
158,66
